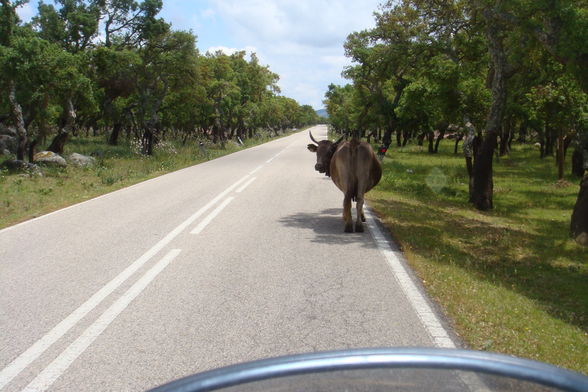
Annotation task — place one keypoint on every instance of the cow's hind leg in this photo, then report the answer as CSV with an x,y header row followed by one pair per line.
x,y
347,214
360,217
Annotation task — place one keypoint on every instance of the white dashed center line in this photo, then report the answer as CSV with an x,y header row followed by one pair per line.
x,y
198,229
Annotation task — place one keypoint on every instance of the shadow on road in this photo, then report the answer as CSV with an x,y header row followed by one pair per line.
x,y
328,227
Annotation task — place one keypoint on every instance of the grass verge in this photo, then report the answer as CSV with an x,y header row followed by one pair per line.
x,y
23,197
511,280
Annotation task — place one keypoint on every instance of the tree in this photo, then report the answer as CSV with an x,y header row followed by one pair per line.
x,y
308,116
137,74
340,107
121,21
114,72
8,56
73,26
165,60
561,106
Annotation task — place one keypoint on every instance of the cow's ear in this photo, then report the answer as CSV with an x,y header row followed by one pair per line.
x,y
312,147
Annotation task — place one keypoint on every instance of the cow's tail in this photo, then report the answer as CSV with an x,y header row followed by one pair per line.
x,y
353,146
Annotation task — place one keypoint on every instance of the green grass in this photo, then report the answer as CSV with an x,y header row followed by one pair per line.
x,y
23,196
511,280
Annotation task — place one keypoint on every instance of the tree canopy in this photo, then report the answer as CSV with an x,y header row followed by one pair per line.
x,y
116,67
508,70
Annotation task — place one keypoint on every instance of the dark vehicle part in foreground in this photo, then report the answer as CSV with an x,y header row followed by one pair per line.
x,y
395,369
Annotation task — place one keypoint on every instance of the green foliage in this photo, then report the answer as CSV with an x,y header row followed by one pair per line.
x,y
46,76
136,77
559,102
72,26
475,98
340,106
442,48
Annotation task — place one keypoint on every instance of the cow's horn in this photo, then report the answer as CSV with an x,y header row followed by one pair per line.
x,y
339,141
312,138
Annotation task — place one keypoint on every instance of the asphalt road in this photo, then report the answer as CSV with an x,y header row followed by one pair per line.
x,y
236,259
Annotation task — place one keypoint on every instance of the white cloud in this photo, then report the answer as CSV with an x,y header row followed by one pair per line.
x,y
316,23
208,13
334,61
301,40
26,12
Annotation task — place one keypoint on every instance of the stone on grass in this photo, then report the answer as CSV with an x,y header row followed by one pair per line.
x,y
81,160
49,158
13,165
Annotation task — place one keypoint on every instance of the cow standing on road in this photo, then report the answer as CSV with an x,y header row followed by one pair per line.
x,y
353,167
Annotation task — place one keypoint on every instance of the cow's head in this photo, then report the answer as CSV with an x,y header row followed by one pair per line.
x,y
324,152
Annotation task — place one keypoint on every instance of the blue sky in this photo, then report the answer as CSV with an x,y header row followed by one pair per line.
x,y
300,40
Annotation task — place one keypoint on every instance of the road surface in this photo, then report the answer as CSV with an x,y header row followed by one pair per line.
x,y
236,259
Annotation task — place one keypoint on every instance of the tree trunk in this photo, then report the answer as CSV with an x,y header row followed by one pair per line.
x,y
470,169
17,117
523,132
549,141
458,139
560,157
148,138
113,138
387,138
439,138
505,138
483,182
405,137
567,140
32,146
578,163
542,144
431,140
58,143
469,151
509,143
579,222
147,142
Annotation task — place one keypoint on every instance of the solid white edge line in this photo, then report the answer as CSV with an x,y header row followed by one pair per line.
x,y
428,318
245,185
54,370
198,229
41,345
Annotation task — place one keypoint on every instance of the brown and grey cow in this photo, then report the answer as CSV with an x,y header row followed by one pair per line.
x,y
353,167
